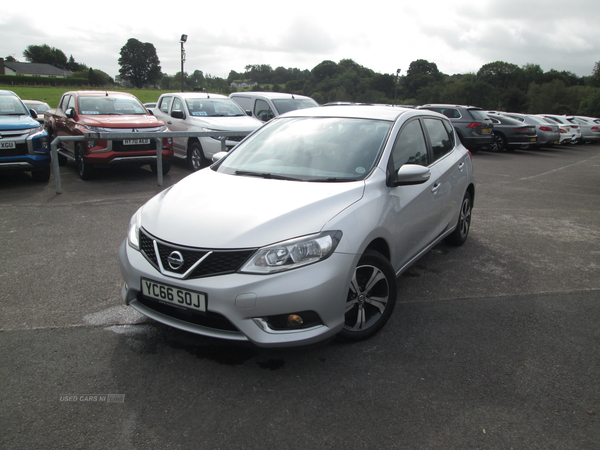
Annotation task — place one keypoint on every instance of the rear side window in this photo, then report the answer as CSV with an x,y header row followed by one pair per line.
x,y
478,115
410,146
441,141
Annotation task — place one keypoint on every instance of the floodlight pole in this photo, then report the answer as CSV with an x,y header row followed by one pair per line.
x,y
396,91
182,41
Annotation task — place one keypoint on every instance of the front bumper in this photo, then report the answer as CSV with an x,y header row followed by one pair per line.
x,y
245,300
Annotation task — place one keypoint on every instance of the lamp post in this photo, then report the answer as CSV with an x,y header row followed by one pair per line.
x,y
182,41
397,79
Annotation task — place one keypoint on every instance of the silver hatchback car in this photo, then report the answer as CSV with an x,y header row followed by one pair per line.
x,y
298,234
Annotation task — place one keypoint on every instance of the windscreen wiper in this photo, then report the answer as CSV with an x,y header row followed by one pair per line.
x,y
266,175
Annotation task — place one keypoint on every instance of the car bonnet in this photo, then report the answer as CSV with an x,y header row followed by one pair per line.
x,y
214,210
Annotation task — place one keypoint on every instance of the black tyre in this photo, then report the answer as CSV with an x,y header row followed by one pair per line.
x,y
371,297
41,175
86,170
195,157
166,167
461,232
499,144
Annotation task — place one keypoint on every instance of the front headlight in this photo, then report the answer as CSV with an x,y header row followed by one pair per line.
x,y
35,130
216,138
96,129
294,253
133,232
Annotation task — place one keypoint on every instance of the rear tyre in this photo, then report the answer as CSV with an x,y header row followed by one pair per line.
x,y
461,232
371,297
195,157
86,170
499,144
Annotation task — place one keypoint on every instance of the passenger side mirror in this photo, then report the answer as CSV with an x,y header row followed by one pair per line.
x,y
249,113
177,114
33,113
411,174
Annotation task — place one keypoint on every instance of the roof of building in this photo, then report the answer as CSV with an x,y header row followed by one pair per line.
x,y
36,69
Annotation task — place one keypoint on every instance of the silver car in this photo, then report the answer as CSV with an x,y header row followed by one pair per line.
x,y
298,233
548,133
590,128
202,112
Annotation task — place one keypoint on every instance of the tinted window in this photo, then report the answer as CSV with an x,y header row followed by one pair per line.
x,y
478,115
410,147
286,105
441,141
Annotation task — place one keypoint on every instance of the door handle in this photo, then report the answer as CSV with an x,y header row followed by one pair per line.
x,y
461,165
435,187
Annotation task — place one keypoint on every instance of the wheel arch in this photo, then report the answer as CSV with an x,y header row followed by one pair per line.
x,y
381,246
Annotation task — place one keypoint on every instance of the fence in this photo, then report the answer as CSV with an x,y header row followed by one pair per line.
x,y
222,135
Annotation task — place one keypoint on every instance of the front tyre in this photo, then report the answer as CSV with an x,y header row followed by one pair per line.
x,y
86,170
371,297
461,232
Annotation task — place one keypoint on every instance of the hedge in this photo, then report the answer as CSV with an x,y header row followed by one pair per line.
x,y
21,80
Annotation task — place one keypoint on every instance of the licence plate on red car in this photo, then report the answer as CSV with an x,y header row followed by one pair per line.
x,y
175,296
4,145
136,141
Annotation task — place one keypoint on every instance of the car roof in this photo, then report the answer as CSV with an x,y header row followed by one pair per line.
x,y
101,93
271,95
196,95
352,111
448,105
4,92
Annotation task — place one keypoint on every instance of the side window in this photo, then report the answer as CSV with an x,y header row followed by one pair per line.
x,y
71,103
64,102
164,104
177,105
410,147
441,140
263,111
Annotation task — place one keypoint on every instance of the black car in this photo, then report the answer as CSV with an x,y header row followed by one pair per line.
x,y
473,126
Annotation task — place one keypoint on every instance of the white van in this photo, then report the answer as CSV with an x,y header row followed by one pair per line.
x,y
266,105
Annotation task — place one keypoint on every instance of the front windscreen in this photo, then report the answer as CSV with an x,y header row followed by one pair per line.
x,y
310,149
292,104
110,106
213,107
12,106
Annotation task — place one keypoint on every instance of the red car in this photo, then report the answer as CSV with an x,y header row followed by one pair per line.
x,y
82,112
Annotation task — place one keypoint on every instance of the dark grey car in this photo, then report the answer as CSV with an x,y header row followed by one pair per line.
x,y
473,126
510,134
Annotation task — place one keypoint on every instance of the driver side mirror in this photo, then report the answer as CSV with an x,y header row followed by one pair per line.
x,y
70,113
177,114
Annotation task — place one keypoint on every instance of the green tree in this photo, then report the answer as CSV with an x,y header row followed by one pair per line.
x,y
44,54
139,63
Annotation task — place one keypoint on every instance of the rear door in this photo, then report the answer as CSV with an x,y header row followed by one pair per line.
x,y
451,166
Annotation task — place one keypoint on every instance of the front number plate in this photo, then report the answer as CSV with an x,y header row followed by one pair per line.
x,y
174,296
9,144
136,141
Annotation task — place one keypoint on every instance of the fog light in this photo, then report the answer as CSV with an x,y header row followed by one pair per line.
x,y
295,321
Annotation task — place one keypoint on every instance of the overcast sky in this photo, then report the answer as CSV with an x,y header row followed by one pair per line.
x,y
223,35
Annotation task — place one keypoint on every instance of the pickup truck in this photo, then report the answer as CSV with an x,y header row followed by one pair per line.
x,y
202,112
23,141
79,112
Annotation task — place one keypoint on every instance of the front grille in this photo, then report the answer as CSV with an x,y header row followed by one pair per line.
x,y
205,319
216,262
118,146
19,150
